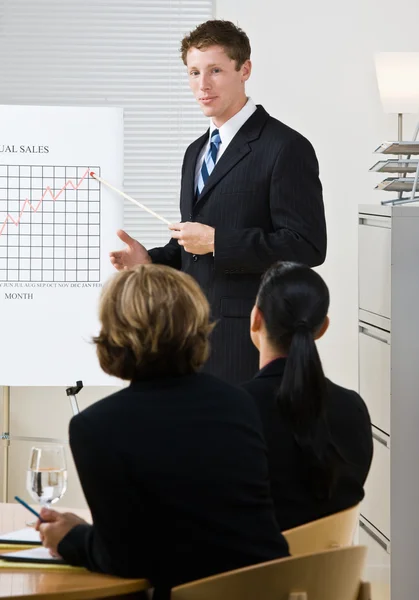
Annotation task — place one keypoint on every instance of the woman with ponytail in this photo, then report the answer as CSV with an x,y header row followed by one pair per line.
x,y
318,434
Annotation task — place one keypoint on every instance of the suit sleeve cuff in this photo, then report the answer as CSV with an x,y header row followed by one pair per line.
x,y
74,546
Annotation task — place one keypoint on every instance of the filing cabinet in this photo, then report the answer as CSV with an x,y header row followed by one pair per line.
x,y
388,334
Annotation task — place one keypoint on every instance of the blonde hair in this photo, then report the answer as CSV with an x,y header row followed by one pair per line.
x,y
155,322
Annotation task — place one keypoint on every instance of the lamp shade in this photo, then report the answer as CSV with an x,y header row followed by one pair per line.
x,y
398,81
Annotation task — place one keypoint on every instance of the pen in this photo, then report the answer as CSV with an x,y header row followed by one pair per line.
x,y
26,505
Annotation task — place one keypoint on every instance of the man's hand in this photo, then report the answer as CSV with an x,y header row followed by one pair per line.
x,y
133,254
196,238
56,526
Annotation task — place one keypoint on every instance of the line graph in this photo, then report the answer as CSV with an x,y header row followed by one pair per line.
x,y
48,190
49,223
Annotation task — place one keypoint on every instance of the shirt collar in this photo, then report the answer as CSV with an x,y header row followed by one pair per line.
x,y
231,127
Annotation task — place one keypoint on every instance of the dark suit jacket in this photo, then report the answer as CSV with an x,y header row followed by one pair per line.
x,y
175,474
264,199
350,427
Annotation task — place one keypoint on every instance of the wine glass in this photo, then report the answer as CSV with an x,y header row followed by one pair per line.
x,y
46,479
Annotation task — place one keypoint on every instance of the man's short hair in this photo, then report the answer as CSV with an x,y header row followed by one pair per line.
x,y
155,323
235,42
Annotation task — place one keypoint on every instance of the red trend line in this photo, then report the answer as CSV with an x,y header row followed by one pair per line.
x,y
35,209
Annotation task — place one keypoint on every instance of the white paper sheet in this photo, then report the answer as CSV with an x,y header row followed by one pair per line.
x,y
33,555
22,536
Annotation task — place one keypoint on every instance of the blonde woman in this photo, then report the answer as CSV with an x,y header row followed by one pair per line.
x,y
174,466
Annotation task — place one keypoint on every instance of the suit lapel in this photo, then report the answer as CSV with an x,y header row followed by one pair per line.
x,y
189,174
237,149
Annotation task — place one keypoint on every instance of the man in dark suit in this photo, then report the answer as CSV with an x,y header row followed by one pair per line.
x,y
250,195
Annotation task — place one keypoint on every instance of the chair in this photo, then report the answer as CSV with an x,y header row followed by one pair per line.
x,y
334,531
331,575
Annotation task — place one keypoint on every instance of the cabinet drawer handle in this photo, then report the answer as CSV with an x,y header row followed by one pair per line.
x,y
376,334
382,439
375,221
379,538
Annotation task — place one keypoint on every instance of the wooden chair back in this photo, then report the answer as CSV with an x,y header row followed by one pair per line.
x,y
334,531
331,575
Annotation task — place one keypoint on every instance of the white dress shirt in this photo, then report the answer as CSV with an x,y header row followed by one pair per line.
x,y
227,133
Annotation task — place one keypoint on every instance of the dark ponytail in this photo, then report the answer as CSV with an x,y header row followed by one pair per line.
x,y
294,301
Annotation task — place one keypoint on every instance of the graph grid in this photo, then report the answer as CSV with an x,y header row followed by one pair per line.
x,y
49,223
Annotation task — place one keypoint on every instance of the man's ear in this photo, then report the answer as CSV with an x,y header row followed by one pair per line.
x,y
323,328
246,70
255,319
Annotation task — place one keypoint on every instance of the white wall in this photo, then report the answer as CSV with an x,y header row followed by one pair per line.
x,y
44,412
313,69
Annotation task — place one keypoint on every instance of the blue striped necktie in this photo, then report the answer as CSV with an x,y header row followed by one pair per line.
x,y
208,163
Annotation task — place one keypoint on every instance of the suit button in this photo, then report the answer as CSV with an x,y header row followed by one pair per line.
x,y
190,216
194,257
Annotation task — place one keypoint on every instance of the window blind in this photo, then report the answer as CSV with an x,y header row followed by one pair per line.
x,y
113,53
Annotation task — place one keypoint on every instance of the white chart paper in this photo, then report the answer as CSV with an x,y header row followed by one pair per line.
x,y
57,227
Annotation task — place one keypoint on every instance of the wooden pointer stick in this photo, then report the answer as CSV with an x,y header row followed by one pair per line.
x,y
124,195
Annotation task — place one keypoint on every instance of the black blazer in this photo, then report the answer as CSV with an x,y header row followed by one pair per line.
x,y
264,199
350,427
175,474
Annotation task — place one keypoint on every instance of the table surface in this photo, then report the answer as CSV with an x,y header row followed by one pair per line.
x,y
32,583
